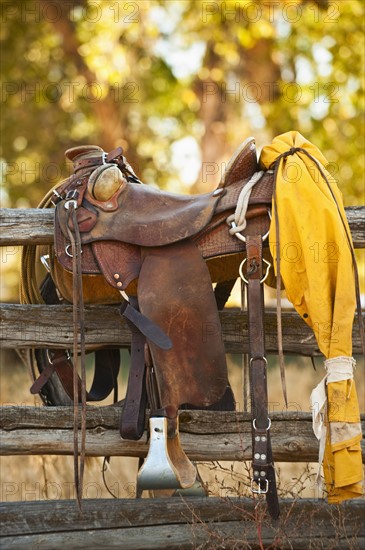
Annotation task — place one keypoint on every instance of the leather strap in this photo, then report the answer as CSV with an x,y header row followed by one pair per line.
x,y
87,163
147,327
262,460
133,418
115,153
79,330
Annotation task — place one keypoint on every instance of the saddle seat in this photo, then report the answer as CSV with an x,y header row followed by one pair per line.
x,y
145,216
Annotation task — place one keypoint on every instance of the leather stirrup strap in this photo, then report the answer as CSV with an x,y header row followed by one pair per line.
x,y
147,327
134,409
262,460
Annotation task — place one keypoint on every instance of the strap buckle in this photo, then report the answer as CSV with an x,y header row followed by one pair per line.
x,y
50,355
259,490
45,262
71,199
70,203
57,197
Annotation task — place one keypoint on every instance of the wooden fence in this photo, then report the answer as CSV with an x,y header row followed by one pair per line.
x,y
188,522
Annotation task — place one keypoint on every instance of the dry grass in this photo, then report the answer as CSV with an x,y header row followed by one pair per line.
x,y
51,477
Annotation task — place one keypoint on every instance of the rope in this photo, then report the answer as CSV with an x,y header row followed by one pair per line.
x,y
28,287
239,217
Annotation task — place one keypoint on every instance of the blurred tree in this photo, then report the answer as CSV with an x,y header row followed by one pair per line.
x,y
178,84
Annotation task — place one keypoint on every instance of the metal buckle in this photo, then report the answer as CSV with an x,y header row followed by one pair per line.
x,y
71,199
243,238
70,202
50,358
259,491
72,194
57,198
268,266
44,259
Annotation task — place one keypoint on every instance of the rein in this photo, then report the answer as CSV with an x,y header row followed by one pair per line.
x,y
79,329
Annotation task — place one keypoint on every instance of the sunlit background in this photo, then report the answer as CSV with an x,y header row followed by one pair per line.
x,y
178,84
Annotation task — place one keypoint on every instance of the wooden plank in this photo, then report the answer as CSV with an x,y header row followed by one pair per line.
x,y
36,226
288,445
43,326
180,523
356,218
205,435
51,326
191,421
26,226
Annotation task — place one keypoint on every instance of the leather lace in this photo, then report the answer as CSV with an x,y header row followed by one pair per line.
x,y
79,329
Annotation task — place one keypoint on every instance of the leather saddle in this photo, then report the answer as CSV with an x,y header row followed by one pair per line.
x,y
132,232
158,253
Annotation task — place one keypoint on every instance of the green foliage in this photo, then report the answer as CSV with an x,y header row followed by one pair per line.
x,y
146,75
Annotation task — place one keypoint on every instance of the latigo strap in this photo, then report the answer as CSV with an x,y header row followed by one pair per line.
x,y
263,481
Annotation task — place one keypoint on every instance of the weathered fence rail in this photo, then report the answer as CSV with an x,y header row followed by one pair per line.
x,y
160,523
180,523
36,226
29,326
205,435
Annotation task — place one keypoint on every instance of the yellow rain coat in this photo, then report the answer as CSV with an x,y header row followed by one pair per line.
x,y
316,267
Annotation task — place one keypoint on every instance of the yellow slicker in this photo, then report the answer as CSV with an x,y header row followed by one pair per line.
x,y
317,270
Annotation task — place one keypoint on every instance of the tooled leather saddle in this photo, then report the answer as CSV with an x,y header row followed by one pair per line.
x,y
159,253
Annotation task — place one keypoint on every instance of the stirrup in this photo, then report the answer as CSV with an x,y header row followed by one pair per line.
x,y
166,465
196,490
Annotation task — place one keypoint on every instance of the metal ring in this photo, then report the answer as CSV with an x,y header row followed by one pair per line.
x,y
240,270
264,237
258,357
50,358
238,234
268,264
70,202
266,429
243,238
69,253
